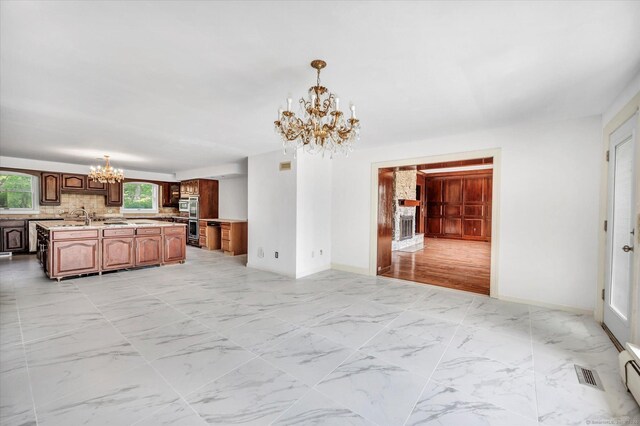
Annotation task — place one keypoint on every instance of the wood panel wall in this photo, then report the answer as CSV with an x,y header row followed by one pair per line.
x,y
458,205
385,219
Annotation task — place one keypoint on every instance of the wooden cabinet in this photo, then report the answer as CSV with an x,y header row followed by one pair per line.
x,y
148,250
114,195
202,233
170,194
459,205
207,191
233,237
117,253
14,236
75,257
96,186
73,182
190,187
174,245
50,189
63,252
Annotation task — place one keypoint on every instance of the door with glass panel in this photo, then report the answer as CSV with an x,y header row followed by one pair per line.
x,y
621,230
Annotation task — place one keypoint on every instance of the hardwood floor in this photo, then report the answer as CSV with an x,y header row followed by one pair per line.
x,y
460,264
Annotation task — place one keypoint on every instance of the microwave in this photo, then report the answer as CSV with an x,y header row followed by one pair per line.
x,y
183,205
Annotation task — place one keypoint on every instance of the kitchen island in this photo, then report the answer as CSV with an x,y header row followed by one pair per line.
x,y
73,248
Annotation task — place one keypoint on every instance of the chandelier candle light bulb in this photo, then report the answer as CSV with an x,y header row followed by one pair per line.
x,y
322,127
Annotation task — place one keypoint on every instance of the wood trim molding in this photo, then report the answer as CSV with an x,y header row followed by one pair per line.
x,y
632,107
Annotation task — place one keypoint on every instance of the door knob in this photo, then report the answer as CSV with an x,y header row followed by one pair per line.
x,y
627,249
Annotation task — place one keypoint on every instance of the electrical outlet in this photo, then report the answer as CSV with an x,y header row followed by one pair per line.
x,y
260,252
313,253
320,252
276,255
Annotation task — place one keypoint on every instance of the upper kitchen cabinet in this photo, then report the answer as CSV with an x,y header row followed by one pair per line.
x,y
95,186
50,189
208,198
207,192
73,182
114,195
170,194
189,188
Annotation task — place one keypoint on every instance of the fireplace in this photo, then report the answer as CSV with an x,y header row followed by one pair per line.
x,y
406,227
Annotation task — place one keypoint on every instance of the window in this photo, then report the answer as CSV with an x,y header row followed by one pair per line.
x,y
18,193
140,197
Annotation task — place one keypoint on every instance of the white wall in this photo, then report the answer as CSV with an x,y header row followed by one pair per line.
x,y
272,213
549,206
621,100
313,223
233,198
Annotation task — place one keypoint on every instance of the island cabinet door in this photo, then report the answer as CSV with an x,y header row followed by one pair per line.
x,y
117,253
75,257
149,250
174,247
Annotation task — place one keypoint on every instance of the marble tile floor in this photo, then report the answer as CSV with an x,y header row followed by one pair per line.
x,y
212,342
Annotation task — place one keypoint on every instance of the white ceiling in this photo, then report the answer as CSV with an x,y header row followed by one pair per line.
x,y
168,86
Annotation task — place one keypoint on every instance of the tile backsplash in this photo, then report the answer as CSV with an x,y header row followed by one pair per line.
x,y
93,203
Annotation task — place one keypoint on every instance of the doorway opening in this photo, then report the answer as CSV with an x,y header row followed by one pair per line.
x,y
435,223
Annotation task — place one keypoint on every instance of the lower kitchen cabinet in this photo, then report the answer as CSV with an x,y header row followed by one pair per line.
x,y
64,253
148,250
75,257
234,238
174,247
14,236
117,253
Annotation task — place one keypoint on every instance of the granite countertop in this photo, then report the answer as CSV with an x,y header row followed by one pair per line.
x,y
223,220
131,223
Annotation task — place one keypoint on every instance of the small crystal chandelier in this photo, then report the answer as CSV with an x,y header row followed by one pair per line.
x,y
106,174
323,127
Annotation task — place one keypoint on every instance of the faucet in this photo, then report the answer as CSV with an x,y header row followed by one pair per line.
x,y
87,220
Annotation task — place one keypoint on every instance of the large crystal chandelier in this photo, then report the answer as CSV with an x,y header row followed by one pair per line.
x,y
323,127
106,174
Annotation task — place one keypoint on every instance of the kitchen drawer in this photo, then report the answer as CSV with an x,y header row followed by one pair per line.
x,y
225,225
202,231
147,231
202,241
225,245
226,234
118,232
174,230
72,235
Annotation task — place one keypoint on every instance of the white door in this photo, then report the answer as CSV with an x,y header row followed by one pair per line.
x,y
620,232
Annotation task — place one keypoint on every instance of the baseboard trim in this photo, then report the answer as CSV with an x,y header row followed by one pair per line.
x,y
312,271
261,268
565,308
349,268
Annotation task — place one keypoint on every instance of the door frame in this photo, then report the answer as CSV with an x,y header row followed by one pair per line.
x,y
625,113
495,208
628,126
